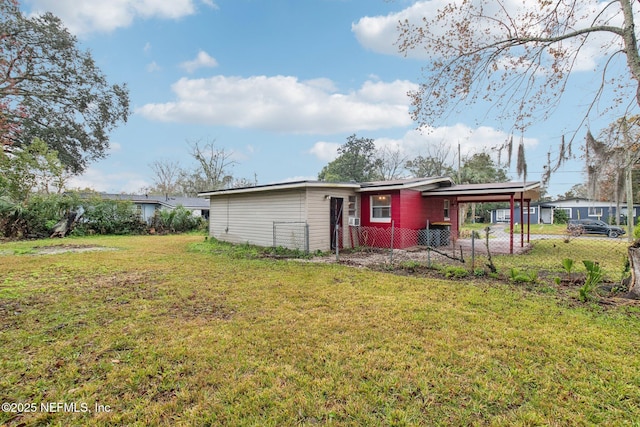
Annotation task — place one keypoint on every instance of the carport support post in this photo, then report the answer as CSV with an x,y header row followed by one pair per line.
x,y
522,218
529,220
511,202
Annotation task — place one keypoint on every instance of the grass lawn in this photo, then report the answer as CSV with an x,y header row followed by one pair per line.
x,y
170,330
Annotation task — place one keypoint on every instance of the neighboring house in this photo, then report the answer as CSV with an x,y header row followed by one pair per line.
x,y
147,205
319,215
577,208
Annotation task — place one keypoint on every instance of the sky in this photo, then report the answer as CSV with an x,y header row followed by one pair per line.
x,y
279,85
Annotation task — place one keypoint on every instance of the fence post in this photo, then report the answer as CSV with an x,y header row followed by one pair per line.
x,y
391,250
336,236
274,235
473,250
428,248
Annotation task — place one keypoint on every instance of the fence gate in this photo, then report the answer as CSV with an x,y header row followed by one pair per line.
x,y
291,235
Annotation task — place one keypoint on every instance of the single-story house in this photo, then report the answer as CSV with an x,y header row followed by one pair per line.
x,y
576,208
147,205
317,215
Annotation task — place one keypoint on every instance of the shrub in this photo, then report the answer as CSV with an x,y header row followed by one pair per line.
x,y
178,220
110,217
591,283
455,272
560,216
36,216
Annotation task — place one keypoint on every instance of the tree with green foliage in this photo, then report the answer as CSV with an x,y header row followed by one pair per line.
x,y
52,90
32,169
356,161
481,168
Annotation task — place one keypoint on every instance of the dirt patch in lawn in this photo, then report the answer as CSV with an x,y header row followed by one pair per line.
x,y
58,249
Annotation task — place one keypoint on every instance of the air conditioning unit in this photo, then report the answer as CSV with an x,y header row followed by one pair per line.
x,y
354,222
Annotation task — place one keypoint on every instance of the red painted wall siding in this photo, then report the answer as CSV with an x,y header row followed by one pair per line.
x,y
411,211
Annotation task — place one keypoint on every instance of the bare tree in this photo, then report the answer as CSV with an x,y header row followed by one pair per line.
x,y
519,56
166,176
389,163
437,162
212,171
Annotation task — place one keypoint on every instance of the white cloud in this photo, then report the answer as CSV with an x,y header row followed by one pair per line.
x,y
471,140
202,60
107,15
284,104
326,151
380,33
109,182
415,143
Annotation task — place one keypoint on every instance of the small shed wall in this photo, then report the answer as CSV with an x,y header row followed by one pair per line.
x,y
249,218
318,216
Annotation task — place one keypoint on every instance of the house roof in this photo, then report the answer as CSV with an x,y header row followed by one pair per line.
x,y
492,192
170,202
420,184
582,202
280,186
430,186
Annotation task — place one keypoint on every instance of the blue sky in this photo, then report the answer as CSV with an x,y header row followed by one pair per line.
x,y
280,84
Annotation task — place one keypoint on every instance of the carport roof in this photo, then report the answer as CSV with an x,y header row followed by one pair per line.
x,y
493,192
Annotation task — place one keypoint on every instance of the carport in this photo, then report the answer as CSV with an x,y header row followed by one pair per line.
x,y
521,192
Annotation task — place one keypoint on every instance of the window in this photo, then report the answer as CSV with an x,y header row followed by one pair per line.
x,y
447,206
593,211
503,215
353,206
567,210
381,208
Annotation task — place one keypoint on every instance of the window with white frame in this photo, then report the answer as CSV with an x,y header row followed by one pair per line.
x,y
593,211
447,208
381,208
567,210
503,215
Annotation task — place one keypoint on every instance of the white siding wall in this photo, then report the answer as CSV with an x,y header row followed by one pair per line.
x,y
249,217
319,217
242,218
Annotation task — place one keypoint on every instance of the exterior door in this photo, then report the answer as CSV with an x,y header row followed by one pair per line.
x,y
335,215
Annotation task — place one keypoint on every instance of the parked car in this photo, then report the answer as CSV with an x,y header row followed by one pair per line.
x,y
593,226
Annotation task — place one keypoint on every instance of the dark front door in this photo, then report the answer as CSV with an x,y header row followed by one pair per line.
x,y
335,216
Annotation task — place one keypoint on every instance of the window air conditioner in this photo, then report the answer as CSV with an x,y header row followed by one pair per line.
x,y
355,222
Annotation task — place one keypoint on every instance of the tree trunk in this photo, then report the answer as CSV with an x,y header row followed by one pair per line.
x,y
634,262
64,226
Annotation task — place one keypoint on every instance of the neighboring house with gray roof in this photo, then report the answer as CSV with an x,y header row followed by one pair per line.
x,y
147,205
